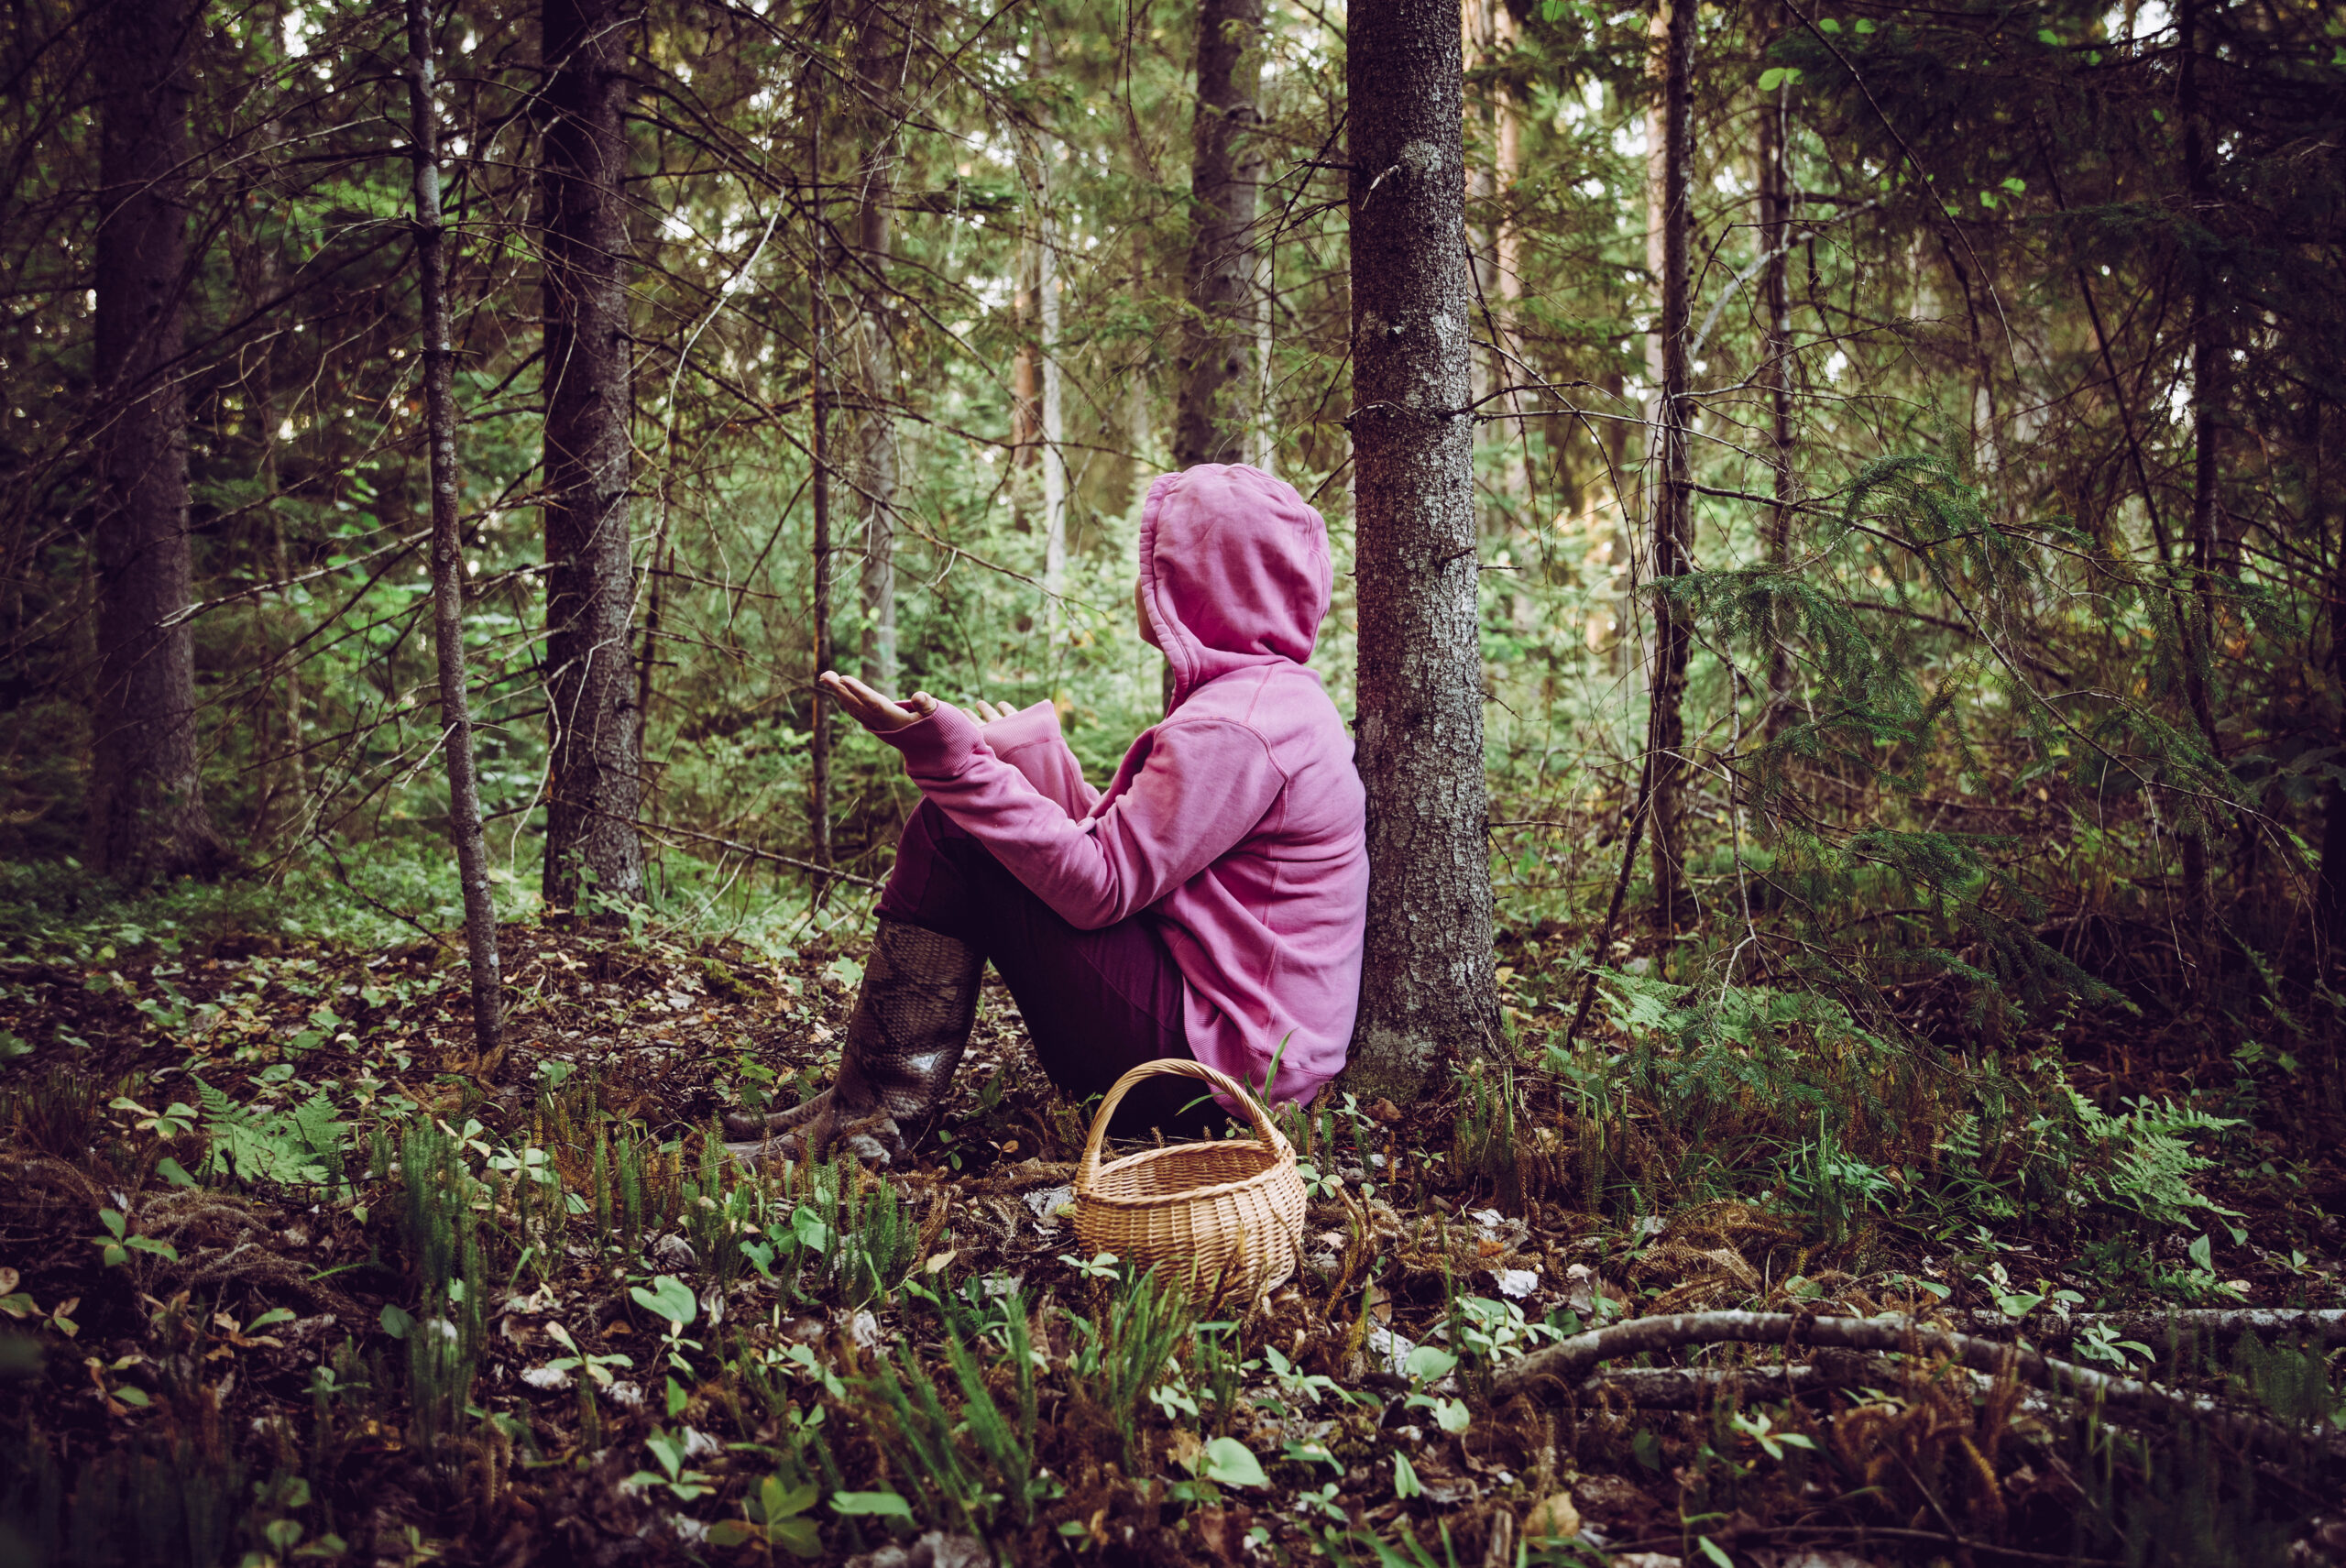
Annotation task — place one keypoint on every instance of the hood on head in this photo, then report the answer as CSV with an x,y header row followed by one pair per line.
x,y
1234,571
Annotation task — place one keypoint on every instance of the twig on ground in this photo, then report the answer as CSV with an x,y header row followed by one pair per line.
x,y
1860,1534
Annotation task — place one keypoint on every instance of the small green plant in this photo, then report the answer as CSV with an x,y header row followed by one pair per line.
x,y
298,1147
1485,1142
597,1368
670,1299
1772,1440
440,1229
1430,1364
773,1515
965,1465
1832,1186
1128,1353
116,1246
2099,1340
1293,1383
674,1453
1491,1333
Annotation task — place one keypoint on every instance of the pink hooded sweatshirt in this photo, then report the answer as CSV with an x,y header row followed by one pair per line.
x,y
1236,822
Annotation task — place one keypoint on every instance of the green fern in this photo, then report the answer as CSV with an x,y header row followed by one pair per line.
x,y
301,1147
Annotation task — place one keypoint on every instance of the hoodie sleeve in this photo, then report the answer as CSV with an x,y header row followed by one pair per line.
x,y
1200,787
1030,741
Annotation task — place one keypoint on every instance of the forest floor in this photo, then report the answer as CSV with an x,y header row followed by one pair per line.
x,y
290,1273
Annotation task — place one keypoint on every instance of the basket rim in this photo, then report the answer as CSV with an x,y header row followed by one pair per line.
x,y
1282,1163
1089,1169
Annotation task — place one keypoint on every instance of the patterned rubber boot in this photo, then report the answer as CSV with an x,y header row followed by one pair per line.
x,y
912,1022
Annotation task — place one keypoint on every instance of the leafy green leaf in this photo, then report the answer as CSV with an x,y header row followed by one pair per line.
x,y
780,1502
1406,1483
1229,1463
797,1537
885,1505
173,1172
669,1298
1429,1362
395,1320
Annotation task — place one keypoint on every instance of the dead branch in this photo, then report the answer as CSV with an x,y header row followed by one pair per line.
x,y
1560,1365
2157,1328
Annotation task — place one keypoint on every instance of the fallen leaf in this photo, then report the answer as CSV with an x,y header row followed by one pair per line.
x,y
1553,1518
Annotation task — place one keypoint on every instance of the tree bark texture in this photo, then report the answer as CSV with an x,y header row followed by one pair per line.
x,y
1428,995
1670,493
2330,885
1026,369
1515,477
1047,292
2206,412
1776,370
818,484
594,783
883,48
1211,420
147,812
447,538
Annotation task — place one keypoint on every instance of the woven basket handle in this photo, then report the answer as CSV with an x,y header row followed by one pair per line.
x,y
1259,1119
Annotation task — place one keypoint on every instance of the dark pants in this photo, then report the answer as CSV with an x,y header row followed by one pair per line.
x,y
1096,1002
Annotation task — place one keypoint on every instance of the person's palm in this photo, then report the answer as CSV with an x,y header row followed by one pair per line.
x,y
876,713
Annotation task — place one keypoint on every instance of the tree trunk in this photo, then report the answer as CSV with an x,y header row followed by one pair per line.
x,y
2206,412
882,51
595,781
1673,36
1212,422
1047,289
147,812
819,739
1515,473
1428,994
1776,371
447,539
2329,884
1026,369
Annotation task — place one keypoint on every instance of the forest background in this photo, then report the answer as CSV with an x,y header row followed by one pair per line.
x,y
1897,607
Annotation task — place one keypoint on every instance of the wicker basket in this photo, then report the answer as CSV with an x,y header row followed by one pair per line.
x,y
1223,1219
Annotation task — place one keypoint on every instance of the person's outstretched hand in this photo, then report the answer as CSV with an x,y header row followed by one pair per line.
x,y
878,713
989,712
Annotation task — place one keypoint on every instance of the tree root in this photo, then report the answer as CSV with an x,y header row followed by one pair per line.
x,y
1564,1365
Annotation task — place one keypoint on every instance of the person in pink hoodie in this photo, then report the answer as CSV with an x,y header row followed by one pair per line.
x,y
1210,901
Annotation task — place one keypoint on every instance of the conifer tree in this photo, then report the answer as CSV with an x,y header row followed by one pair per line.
x,y
1429,992
146,811
594,783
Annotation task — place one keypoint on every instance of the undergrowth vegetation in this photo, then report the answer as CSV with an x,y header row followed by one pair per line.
x,y
290,1275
